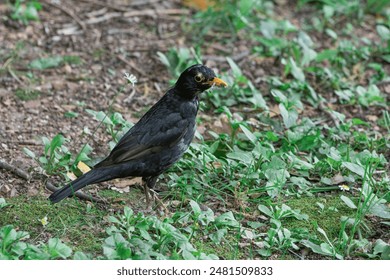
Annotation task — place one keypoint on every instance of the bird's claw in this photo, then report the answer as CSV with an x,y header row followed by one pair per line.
x,y
151,196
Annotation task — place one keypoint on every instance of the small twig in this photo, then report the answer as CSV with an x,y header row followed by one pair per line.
x,y
151,12
148,12
143,2
72,30
106,5
17,171
7,65
119,8
236,57
78,194
21,142
105,17
130,97
14,76
129,63
69,13
247,216
297,255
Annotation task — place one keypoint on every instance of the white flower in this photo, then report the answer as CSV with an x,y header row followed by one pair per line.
x,y
44,221
131,78
344,187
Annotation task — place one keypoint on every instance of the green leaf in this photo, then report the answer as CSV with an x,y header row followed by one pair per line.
x,y
163,58
241,156
348,201
382,248
251,137
383,32
226,219
322,232
326,248
2,202
235,69
31,13
265,210
29,152
268,28
217,236
355,168
80,256
128,212
380,210
100,116
71,114
57,142
195,207
255,225
296,71
331,33
123,251
308,56
314,247
308,142
265,252
45,63
289,117
83,154
57,248
357,121
8,234
328,54
279,96
271,136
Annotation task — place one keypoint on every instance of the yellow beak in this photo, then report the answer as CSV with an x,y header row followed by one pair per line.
x,y
217,82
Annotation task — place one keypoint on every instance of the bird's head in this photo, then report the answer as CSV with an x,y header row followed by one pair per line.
x,y
197,79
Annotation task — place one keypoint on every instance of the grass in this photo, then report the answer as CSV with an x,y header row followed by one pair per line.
x,y
80,225
26,94
83,225
328,218
301,161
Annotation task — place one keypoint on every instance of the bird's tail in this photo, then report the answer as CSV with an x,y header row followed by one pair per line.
x,y
91,177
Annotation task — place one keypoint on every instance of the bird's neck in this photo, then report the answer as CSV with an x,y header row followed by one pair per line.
x,y
185,92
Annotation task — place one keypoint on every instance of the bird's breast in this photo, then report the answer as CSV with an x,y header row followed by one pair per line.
x,y
189,109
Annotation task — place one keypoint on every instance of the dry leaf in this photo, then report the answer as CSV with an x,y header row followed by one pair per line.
x,y
83,167
337,179
175,203
221,125
71,175
199,4
123,185
274,111
121,190
372,118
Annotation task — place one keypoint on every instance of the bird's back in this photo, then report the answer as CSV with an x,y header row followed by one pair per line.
x,y
158,140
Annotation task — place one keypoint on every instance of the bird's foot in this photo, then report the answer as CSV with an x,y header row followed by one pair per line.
x,y
157,201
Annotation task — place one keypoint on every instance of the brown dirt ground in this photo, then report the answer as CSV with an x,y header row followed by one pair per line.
x,y
121,44
109,39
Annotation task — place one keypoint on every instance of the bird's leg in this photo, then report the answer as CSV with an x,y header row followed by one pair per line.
x,y
146,185
150,183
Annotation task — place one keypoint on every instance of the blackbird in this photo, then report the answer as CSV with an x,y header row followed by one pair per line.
x,y
157,141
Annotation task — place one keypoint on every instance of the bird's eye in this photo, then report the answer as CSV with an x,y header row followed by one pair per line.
x,y
199,78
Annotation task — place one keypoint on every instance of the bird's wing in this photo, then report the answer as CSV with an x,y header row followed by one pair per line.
x,y
149,138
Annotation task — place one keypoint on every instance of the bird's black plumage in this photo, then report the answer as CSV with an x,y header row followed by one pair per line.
x,y
159,138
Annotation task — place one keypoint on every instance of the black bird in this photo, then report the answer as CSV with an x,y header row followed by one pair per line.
x,y
157,141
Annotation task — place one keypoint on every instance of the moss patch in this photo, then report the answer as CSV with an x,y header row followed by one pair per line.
x,y
75,222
